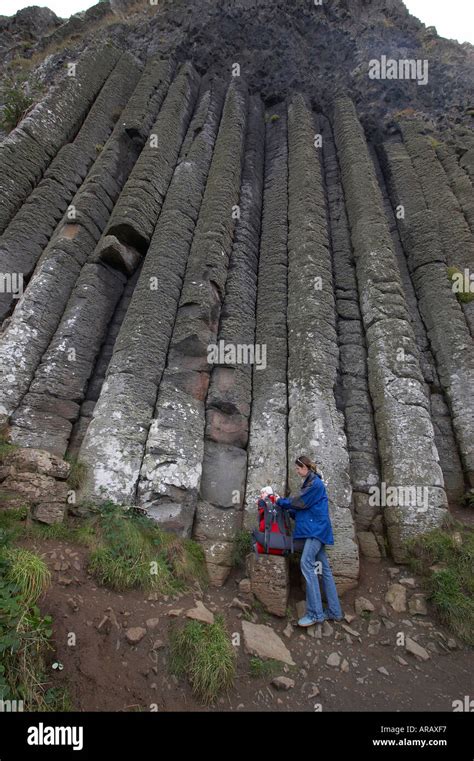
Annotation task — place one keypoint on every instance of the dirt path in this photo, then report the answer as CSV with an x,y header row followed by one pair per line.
x,y
105,673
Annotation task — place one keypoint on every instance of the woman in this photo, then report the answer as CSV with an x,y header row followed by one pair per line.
x,y
312,523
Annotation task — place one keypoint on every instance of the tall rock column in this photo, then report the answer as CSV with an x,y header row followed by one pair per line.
x,y
229,397
408,454
267,451
447,331
356,401
171,472
315,425
114,446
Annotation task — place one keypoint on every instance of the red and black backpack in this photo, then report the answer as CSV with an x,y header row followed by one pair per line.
x,y
274,533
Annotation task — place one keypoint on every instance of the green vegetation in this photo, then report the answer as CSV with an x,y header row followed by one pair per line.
x,y
133,552
77,473
16,103
242,547
264,669
24,634
203,653
445,560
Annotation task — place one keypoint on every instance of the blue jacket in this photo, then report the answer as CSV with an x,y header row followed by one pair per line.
x,y
310,510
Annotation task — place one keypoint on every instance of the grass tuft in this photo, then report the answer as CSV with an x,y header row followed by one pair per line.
x,y
445,560
204,654
242,547
264,669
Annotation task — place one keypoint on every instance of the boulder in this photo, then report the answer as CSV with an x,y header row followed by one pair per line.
x,y
263,642
397,597
270,581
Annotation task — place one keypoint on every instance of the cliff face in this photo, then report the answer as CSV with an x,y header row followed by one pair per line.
x,y
224,261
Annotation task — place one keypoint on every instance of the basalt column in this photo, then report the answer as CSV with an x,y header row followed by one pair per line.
x,y
267,450
315,425
41,307
28,150
356,401
445,324
30,230
66,366
228,402
453,231
440,414
172,466
114,445
405,433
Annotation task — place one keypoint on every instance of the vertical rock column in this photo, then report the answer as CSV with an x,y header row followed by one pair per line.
x,y
453,230
402,417
440,415
97,378
114,445
172,466
357,404
27,151
229,397
30,230
41,307
66,366
447,330
315,425
267,451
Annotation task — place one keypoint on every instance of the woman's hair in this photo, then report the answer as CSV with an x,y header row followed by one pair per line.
x,y
305,461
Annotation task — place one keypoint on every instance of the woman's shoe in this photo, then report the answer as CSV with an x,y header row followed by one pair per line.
x,y
308,621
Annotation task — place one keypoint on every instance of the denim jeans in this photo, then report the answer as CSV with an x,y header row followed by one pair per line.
x,y
314,552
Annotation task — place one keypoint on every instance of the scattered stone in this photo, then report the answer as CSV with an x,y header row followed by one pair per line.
x,y
283,683
201,613
245,586
243,606
400,660
397,597
387,623
288,630
135,634
175,612
262,641
383,670
158,644
393,572
334,660
363,605
345,666
415,649
327,629
349,617
152,623
417,605
452,644
350,631
408,582
374,627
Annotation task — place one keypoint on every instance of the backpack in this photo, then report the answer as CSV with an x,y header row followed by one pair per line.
x,y
274,533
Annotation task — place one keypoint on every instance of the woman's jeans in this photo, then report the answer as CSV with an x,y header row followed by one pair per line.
x,y
314,562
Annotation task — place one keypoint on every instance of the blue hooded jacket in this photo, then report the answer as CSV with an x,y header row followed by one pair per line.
x,y
310,510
